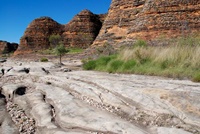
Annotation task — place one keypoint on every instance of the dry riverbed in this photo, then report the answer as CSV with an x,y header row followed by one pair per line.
x,y
57,99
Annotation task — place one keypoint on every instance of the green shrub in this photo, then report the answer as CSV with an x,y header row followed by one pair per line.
x,y
55,39
60,50
129,65
44,60
196,78
104,60
90,65
114,65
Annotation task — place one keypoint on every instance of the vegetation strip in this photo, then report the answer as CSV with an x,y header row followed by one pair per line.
x,y
178,60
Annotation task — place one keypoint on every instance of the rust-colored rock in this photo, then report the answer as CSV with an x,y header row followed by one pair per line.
x,y
129,20
82,29
7,47
36,36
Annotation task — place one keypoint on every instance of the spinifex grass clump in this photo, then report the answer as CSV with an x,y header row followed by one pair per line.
x,y
99,64
90,65
114,65
179,60
44,60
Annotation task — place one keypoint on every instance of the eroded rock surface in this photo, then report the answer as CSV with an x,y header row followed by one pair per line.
x,y
94,102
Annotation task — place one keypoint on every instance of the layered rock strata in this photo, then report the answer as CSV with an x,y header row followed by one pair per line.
x,y
129,20
80,32
36,36
82,29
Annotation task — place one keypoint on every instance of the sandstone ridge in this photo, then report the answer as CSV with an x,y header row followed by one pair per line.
x,y
128,20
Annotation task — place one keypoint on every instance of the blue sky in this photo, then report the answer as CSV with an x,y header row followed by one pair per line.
x,y
15,15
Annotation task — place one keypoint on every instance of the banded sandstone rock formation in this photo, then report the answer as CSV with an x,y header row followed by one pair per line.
x,y
129,20
36,36
81,31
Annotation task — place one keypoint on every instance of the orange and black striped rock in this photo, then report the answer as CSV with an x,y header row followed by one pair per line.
x,y
128,20
79,32
83,29
36,35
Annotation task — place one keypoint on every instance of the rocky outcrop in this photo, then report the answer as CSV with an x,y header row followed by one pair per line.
x,y
82,29
129,20
36,36
7,47
85,102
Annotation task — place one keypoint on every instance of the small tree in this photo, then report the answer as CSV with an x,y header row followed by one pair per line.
x,y
60,50
55,40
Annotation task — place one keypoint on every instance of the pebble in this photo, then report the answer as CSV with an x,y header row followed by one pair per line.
x,y
25,124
